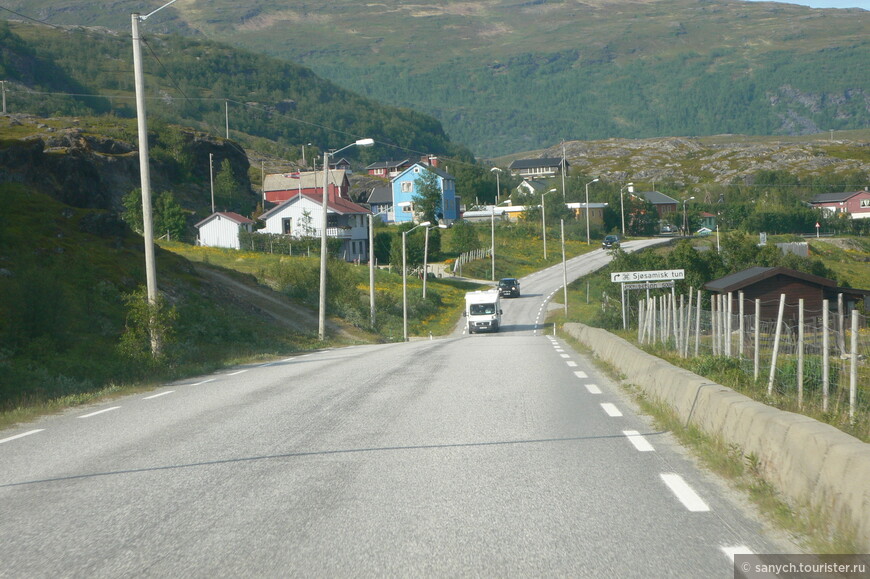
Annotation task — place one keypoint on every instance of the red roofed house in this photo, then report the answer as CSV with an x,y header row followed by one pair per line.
x,y
302,216
278,187
221,229
855,204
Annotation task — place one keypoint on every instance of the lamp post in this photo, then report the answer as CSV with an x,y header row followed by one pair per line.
x,y
685,220
144,171
630,187
304,164
492,247
321,317
372,264
588,239
426,256
544,221
497,172
564,270
405,280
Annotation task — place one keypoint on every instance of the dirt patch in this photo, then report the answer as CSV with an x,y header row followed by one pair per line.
x,y
271,303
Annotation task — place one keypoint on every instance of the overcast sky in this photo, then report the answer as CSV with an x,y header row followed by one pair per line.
x,y
865,4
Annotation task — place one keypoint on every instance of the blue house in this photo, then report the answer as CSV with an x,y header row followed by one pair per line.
x,y
405,189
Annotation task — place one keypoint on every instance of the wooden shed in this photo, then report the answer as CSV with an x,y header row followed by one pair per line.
x,y
768,283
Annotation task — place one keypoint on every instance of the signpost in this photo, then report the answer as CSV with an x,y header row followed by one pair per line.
x,y
644,280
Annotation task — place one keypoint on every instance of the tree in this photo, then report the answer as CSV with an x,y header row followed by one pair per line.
x,y
427,198
228,193
464,237
169,217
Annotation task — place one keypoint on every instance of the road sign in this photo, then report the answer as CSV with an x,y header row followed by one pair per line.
x,y
638,276
648,285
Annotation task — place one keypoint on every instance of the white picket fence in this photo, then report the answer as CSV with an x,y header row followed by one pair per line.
x,y
821,353
470,256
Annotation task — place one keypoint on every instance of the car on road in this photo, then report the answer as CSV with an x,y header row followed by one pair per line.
x,y
509,287
610,241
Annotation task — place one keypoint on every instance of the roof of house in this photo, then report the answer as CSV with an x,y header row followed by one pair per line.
x,y
748,277
656,198
535,185
537,163
301,180
235,217
834,197
388,164
438,171
338,205
380,194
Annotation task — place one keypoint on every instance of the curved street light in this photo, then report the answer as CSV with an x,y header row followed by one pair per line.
x,y
321,315
630,187
595,180
497,172
405,280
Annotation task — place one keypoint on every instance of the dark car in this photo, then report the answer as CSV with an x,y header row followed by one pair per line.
x,y
610,241
509,287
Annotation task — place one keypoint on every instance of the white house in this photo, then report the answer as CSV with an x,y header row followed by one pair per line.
x,y
222,229
302,216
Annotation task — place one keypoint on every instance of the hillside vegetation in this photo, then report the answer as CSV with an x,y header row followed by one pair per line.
x,y
504,77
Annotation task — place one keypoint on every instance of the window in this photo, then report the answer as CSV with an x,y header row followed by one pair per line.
x,y
409,208
407,187
331,220
287,225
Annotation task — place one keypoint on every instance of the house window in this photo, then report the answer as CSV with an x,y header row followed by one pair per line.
x,y
409,208
287,225
865,202
331,220
407,187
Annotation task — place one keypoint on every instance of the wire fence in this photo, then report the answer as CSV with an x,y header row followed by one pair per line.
x,y
818,359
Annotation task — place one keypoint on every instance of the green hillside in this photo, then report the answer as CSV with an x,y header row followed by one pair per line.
x,y
504,77
52,71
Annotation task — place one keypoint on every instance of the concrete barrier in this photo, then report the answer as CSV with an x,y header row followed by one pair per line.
x,y
809,462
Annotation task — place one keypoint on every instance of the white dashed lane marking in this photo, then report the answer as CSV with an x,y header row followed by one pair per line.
x,y
99,412
571,364
611,409
684,492
639,442
158,395
581,374
593,389
22,435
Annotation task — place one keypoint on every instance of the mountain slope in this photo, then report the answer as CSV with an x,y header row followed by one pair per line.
x,y
504,76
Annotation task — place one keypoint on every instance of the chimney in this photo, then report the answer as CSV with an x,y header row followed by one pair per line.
x,y
430,160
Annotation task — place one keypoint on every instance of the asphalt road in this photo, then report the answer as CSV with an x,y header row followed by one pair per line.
x,y
502,455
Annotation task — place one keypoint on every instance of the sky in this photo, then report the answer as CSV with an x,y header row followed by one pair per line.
x,y
865,4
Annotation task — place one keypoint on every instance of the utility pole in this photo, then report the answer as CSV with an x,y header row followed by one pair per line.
x,y
211,178
227,117
3,85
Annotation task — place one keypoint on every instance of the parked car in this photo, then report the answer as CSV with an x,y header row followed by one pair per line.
x,y
509,287
610,241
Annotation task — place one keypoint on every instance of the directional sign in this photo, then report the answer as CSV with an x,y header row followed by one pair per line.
x,y
637,276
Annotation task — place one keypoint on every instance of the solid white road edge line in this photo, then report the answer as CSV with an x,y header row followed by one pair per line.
x,y
204,382
22,435
237,373
684,492
639,442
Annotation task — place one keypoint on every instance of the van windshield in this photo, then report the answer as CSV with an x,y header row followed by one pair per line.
x,y
481,309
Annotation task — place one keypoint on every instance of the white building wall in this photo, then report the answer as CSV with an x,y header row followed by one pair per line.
x,y
220,232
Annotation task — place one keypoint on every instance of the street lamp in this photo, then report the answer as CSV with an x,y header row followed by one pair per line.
x,y
405,280
497,172
492,221
685,220
372,263
595,180
144,171
630,187
321,317
426,256
304,164
544,221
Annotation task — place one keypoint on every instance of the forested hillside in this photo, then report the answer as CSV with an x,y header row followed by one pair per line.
x,y
55,71
504,77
